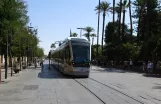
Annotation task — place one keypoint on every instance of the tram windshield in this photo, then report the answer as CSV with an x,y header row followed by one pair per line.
x,y
81,53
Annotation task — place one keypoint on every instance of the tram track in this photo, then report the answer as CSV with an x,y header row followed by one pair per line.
x,y
103,89
85,83
118,91
90,91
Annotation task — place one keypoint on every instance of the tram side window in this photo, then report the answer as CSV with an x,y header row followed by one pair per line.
x,y
61,56
67,54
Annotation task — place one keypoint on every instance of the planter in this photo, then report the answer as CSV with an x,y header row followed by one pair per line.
x,y
16,71
24,67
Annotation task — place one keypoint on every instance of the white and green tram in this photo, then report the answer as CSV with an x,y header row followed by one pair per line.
x,y
73,57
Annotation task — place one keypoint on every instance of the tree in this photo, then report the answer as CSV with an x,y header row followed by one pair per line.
x,y
88,30
13,21
74,35
119,20
113,11
111,34
93,36
148,18
139,14
104,8
124,6
40,52
94,51
131,23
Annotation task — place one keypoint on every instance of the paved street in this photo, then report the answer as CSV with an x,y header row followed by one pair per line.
x,y
105,86
146,89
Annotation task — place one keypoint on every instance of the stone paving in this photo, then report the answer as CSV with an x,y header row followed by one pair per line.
x,y
147,89
9,77
37,86
48,86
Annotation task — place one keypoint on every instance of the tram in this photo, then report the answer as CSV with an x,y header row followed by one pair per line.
x,y
73,57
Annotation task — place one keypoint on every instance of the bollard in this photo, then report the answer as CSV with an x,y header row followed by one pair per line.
x,y
49,59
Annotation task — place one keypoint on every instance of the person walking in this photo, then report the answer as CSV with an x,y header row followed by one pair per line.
x,y
144,67
35,63
131,63
150,66
125,65
41,63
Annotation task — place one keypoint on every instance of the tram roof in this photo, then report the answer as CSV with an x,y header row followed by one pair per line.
x,y
74,38
68,39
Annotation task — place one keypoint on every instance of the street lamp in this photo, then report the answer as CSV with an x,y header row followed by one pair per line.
x,y
28,27
49,58
33,51
81,31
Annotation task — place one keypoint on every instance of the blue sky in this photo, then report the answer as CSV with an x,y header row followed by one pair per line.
x,y
55,18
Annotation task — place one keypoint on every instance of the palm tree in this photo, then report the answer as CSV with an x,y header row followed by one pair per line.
x,y
104,8
93,36
113,11
117,11
124,6
88,30
140,4
74,35
98,25
120,12
131,26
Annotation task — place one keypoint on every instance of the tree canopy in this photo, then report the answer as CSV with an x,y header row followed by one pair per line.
x,y
21,38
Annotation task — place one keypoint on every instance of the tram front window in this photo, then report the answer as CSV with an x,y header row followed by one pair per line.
x,y
81,53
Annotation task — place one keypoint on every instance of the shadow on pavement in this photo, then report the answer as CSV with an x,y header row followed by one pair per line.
x,y
116,70
110,70
51,73
33,67
152,75
156,87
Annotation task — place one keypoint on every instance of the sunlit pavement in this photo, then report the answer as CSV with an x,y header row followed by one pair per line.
x,y
146,89
105,86
47,87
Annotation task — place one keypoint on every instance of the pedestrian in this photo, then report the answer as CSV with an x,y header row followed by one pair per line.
x,y
144,67
150,66
125,65
42,64
131,63
158,67
98,62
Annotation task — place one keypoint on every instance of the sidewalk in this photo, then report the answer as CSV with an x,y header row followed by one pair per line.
x,y
9,77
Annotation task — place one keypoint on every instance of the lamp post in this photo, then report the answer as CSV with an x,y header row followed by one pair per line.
x,y
81,31
28,27
33,49
49,58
